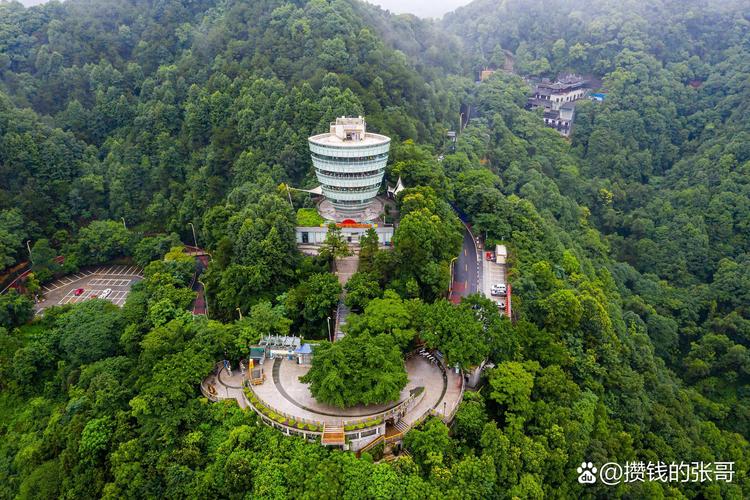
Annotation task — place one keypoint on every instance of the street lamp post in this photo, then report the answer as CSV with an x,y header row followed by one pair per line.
x,y
328,322
195,240
240,311
28,247
205,297
450,285
123,222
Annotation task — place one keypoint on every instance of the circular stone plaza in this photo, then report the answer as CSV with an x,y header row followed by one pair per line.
x,y
273,391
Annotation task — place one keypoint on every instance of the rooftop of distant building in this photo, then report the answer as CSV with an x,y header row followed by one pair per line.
x,y
564,82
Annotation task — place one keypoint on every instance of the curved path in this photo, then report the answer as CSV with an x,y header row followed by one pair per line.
x,y
467,269
376,409
283,392
288,395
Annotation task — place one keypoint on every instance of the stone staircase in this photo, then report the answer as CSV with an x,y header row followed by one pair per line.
x,y
401,427
342,311
345,267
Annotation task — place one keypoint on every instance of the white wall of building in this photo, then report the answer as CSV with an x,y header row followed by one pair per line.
x,y
317,235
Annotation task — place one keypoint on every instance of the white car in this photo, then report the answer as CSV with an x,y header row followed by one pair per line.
x,y
499,289
105,293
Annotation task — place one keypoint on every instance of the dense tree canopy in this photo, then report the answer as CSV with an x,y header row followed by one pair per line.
x,y
357,370
124,122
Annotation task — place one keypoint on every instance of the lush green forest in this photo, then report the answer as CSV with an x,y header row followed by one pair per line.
x,y
121,122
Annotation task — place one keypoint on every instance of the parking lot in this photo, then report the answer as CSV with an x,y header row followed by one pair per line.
x,y
494,273
94,281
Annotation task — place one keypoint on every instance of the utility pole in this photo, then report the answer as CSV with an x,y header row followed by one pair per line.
x,y
28,247
123,222
289,194
450,285
195,240
205,296
330,338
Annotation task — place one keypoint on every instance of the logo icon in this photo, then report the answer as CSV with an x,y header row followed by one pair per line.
x,y
586,473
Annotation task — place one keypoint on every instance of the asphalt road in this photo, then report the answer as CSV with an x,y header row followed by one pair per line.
x,y
466,270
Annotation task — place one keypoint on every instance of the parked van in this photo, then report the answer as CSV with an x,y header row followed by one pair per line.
x,y
501,254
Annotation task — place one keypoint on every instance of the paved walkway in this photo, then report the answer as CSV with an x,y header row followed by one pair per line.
x,y
228,387
345,268
285,393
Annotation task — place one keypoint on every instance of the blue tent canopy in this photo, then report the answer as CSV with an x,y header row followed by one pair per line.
x,y
304,349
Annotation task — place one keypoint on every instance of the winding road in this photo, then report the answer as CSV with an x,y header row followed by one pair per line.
x,y
466,269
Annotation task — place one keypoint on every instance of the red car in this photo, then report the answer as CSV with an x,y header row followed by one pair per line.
x,y
78,292
489,256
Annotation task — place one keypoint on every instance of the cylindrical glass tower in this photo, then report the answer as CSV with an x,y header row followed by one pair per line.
x,y
349,163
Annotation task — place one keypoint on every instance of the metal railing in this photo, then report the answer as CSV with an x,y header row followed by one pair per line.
x,y
372,444
353,149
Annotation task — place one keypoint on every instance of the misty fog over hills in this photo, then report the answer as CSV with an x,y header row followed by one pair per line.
x,y
421,8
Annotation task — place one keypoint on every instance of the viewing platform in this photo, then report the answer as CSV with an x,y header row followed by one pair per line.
x,y
287,404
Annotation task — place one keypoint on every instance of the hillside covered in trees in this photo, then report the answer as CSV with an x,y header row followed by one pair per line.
x,y
629,243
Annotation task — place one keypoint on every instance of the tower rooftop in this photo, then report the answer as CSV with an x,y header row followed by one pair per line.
x,y
349,132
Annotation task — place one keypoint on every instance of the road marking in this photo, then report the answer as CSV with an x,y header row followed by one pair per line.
x,y
465,252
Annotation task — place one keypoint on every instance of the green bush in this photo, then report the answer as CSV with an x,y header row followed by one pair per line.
x,y
309,217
